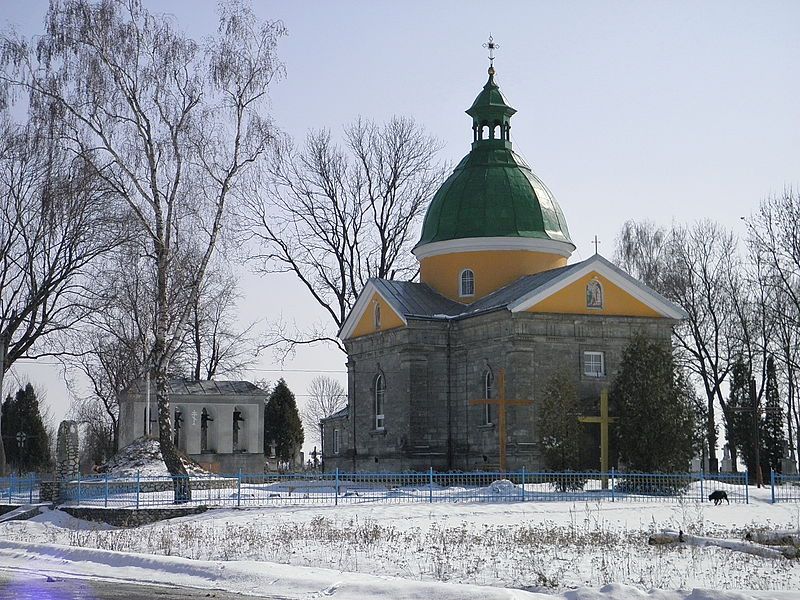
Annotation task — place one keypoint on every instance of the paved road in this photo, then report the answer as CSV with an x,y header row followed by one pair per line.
x,y
32,587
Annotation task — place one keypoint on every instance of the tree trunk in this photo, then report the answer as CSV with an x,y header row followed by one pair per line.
x,y
180,479
2,377
713,465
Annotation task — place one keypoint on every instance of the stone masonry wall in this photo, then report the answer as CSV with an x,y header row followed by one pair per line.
x,y
431,375
125,517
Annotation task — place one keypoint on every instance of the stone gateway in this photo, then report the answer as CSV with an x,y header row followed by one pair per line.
x,y
496,292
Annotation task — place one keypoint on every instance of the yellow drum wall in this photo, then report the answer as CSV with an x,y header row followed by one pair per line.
x,y
493,269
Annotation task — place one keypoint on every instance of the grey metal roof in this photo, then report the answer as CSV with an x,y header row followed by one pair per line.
x,y
516,289
416,299
342,414
187,387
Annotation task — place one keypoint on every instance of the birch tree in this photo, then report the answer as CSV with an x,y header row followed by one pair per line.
x,y
172,125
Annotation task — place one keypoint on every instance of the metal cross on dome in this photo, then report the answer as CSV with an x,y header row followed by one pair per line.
x,y
492,47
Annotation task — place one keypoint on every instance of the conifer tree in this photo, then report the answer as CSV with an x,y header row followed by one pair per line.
x,y
655,418
21,415
772,436
282,425
739,425
560,429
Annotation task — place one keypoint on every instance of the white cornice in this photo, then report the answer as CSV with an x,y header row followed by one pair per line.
x,y
615,275
481,244
361,305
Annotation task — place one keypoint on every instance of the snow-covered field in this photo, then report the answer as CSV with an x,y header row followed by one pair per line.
x,y
558,549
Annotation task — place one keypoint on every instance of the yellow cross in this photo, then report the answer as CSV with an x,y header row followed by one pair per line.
x,y
501,403
603,420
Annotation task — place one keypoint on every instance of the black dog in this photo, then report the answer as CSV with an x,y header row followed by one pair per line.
x,y
718,496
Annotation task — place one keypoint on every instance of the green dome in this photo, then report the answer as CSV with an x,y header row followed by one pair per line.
x,y
493,192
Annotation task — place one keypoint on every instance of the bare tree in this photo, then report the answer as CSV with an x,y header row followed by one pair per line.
x,y
696,267
56,219
334,217
775,233
171,125
326,397
217,345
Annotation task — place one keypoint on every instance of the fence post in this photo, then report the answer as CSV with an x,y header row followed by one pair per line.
x,y
79,488
105,502
10,478
613,484
336,494
239,488
30,489
430,485
702,481
523,484
138,475
772,483
746,487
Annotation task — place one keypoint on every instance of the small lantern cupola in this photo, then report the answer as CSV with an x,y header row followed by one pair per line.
x,y
491,114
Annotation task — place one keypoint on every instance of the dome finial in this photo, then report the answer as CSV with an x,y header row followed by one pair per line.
x,y
492,46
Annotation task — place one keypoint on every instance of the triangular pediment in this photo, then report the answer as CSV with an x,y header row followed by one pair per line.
x,y
362,319
597,287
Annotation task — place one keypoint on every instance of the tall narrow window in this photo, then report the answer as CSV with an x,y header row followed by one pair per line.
x,y
467,283
205,419
488,394
336,441
377,315
380,395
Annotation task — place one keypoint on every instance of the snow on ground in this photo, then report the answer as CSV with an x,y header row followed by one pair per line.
x,y
143,456
566,550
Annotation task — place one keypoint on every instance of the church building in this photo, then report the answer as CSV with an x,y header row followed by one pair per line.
x,y
498,311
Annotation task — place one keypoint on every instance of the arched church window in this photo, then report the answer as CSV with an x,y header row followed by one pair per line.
x,y
594,294
488,394
467,283
205,419
376,315
380,396
238,426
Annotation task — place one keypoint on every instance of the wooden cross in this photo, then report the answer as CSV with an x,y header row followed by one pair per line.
x,y
596,243
603,420
501,403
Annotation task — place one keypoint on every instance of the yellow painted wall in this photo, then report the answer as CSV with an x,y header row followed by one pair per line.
x,y
572,300
389,318
493,270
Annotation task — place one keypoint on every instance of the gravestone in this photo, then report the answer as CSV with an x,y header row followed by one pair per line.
x,y
727,463
788,464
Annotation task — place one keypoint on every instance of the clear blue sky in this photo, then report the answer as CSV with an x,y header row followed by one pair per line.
x,y
659,110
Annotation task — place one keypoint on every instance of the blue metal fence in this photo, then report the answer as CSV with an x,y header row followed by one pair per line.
x,y
19,489
785,488
360,488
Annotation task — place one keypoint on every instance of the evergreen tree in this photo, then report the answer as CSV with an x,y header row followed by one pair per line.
x,y
739,425
772,438
282,423
655,417
560,429
21,415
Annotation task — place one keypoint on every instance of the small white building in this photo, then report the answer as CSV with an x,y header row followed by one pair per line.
x,y
218,424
